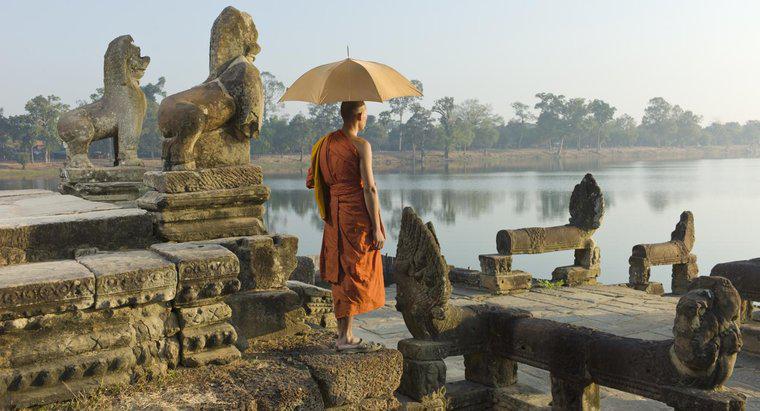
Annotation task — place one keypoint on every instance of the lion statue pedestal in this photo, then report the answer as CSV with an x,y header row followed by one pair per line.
x,y
208,188
118,115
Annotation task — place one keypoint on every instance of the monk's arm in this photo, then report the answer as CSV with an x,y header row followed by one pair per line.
x,y
370,194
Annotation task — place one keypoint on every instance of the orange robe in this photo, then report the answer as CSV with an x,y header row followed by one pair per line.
x,y
347,259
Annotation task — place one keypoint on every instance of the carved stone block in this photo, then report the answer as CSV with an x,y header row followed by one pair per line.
x,y
266,261
204,314
494,264
201,230
317,302
422,378
588,257
574,275
204,179
156,201
266,314
208,337
639,270
490,369
204,270
751,337
42,288
423,350
683,274
306,270
652,287
130,278
514,281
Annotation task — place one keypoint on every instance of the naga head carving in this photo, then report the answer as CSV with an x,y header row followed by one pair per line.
x,y
684,230
707,337
422,278
233,35
587,204
123,64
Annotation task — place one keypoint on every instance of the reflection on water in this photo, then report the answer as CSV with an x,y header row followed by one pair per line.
x,y
644,200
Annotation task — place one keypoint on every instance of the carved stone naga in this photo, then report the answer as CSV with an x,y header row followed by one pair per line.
x,y
682,371
211,124
119,114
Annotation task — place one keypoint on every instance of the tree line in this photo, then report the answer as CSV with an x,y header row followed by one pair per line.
x,y
554,122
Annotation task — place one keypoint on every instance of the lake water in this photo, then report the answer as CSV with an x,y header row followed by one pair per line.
x,y
643,203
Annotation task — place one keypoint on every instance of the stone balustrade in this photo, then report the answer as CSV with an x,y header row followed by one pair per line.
x,y
687,372
676,252
586,212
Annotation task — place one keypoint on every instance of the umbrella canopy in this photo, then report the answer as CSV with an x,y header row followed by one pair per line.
x,y
350,80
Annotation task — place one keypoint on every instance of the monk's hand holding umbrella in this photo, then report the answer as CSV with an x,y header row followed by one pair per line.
x,y
344,187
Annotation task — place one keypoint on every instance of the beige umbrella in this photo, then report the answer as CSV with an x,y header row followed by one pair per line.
x,y
349,80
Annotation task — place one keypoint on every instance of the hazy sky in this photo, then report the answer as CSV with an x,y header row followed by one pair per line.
x,y
702,55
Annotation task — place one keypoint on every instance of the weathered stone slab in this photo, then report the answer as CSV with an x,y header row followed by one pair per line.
x,y
514,281
317,302
42,288
202,230
424,350
651,287
204,314
204,270
464,276
218,356
210,213
103,174
744,275
422,378
266,314
131,278
266,261
204,179
574,275
155,201
351,378
40,227
109,192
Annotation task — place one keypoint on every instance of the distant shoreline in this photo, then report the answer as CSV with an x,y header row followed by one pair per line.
x,y
384,162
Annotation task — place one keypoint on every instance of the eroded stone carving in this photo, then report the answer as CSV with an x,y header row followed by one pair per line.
x,y
745,276
210,125
586,212
677,252
687,371
119,114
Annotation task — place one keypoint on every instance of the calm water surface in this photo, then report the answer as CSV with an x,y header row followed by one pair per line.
x,y
643,202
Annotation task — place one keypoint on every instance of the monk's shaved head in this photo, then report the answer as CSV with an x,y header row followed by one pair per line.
x,y
349,110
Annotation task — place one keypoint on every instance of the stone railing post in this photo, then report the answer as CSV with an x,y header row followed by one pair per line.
x,y
572,395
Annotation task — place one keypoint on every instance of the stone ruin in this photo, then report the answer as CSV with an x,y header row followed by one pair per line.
x,y
91,297
586,212
676,252
687,372
208,186
745,276
118,115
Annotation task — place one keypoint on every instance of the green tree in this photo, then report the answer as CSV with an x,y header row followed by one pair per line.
x,y
657,122
482,121
324,118
150,138
301,133
399,106
623,131
523,116
376,132
575,118
420,129
550,123
688,129
44,113
273,90
445,108
602,114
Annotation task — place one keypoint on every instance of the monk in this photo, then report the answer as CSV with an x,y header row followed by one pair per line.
x,y
341,176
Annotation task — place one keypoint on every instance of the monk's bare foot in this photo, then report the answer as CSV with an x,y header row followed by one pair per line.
x,y
359,346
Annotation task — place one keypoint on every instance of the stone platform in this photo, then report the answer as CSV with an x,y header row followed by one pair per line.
x,y
41,225
617,310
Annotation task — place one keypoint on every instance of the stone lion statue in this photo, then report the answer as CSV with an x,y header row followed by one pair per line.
x,y
211,124
119,114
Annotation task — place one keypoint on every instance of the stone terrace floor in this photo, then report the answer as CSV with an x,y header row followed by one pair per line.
x,y
613,309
